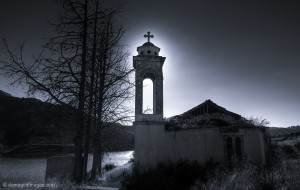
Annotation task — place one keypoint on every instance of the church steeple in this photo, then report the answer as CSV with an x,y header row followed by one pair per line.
x,y
148,48
148,65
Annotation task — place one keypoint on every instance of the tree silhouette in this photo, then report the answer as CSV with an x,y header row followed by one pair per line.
x,y
83,67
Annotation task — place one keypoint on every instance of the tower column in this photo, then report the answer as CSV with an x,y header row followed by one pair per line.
x,y
149,128
159,96
138,95
148,65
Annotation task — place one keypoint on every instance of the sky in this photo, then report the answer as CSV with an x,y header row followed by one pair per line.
x,y
243,55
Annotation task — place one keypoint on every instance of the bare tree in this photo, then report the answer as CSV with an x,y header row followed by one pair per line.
x,y
113,85
83,67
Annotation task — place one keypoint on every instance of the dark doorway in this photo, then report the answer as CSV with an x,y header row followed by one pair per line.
x,y
229,148
238,148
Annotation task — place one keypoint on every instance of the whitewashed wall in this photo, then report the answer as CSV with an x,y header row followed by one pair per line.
x,y
154,144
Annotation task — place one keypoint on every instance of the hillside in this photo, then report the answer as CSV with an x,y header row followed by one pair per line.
x,y
285,136
278,131
29,121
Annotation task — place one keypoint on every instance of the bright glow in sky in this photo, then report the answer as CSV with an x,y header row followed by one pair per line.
x,y
243,55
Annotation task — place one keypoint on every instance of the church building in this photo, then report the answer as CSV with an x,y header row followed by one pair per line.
x,y
207,132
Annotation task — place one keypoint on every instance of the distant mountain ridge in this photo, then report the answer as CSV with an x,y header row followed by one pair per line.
x,y
32,121
2,93
279,132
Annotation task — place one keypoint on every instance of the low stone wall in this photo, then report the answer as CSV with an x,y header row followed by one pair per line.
x,y
59,167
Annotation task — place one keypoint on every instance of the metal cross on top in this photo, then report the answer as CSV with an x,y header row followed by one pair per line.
x,y
148,36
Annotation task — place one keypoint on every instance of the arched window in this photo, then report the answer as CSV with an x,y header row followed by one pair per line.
x,y
229,148
147,96
238,148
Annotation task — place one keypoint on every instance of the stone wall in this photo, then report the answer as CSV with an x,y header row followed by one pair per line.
x,y
154,144
59,167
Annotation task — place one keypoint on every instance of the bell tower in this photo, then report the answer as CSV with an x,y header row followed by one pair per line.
x,y
149,128
148,65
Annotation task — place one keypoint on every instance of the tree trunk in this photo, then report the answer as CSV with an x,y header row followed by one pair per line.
x,y
91,94
78,168
97,159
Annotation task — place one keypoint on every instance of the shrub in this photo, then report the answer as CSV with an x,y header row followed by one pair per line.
x,y
109,166
131,160
273,155
179,176
58,183
297,145
240,175
289,151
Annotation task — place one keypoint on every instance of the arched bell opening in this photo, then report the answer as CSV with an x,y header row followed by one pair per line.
x,y
148,93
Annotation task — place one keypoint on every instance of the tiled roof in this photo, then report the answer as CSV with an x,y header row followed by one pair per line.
x,y
208,107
